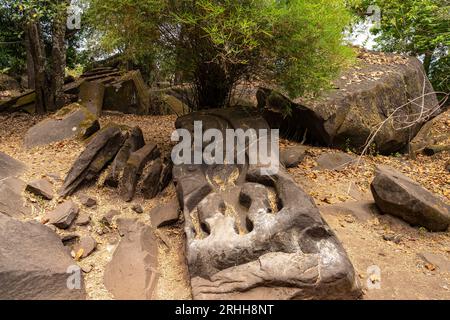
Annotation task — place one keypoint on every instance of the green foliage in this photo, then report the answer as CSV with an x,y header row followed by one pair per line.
x,y
415,27
297,44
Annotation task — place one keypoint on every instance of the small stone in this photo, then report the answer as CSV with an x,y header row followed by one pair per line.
x,y
392,238
69,238
435,260
42,188
108,218
83,219
137,208
85,247
87,201
87,269
63,215
165,215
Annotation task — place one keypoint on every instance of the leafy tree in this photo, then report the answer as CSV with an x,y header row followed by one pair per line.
x,y
297,44
415,27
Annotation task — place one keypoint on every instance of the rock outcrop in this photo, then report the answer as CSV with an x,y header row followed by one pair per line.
x,y
244,244
363,98
402,197
101,149
34,264
71,122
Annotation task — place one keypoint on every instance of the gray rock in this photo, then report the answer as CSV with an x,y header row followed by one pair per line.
x,y
71,122
108,218
98,153
133,143
10,167
63,215
83,219
87,201
12,202
345,117
166,214
293,156
34,264
42,188
137,208
134,168
397,195
334,161
132,273
151,178
91,96
85,247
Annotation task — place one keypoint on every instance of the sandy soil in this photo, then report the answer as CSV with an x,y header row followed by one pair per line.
x,y
404,275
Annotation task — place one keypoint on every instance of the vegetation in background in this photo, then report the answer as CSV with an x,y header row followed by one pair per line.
x,y
418,28
297,44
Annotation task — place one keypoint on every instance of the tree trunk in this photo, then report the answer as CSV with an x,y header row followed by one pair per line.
x,y
59,57
427,62
37,52
30,64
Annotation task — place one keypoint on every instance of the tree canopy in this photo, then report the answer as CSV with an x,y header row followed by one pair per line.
x,y
297,44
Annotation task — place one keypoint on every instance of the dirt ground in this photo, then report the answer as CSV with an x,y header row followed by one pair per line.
x,y
371,239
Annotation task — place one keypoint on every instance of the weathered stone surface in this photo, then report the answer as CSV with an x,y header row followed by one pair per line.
x,y
98,153
71,122
430,137
133,143
10,167
345,116
12,202
402,197
87,201
83,219
244,244
91,96
34,265
150,180
334,161
42,188
63,215
132,273
128,94
293,156
85,247
133,169
166,214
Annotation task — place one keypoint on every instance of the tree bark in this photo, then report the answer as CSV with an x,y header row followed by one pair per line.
x,y
30,64
37,52
59,56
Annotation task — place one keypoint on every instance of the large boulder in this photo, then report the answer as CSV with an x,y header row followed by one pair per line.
x,y
35,265
400,196
71,122
132,273
244,244
91,96
363,98
10,167
127,94
100,151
